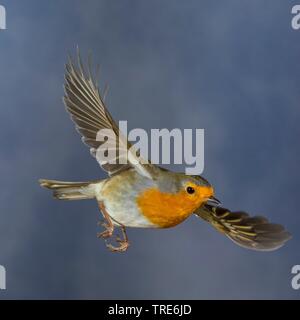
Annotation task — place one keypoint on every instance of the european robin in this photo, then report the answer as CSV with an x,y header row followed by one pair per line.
x,y
140,194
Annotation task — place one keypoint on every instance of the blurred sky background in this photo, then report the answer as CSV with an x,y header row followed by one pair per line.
x,y
231,67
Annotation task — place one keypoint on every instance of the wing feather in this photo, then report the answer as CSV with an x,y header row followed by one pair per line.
x,y
87,110
255,233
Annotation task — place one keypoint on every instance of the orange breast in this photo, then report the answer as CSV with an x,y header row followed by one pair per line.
x,y
166,209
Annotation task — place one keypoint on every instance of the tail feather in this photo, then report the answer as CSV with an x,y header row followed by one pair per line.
x,y
64,190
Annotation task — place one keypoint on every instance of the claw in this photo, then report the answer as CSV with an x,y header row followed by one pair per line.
x,y
122,248
105,234
102,224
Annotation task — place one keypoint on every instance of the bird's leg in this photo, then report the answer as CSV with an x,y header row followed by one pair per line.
x,y
108,232
107,224
124,243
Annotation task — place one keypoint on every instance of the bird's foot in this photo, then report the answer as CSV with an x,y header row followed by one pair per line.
x,y
107,233
124,244
107,224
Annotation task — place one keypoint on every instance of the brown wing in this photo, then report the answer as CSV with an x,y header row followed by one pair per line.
x,y
89,113
255,233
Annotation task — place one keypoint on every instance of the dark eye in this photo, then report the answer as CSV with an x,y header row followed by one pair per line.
x,y
190,190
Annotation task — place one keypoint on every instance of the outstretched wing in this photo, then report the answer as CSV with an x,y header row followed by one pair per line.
x,y
255,233
83,101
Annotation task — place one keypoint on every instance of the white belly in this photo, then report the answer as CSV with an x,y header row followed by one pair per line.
x,y
128,217
124,211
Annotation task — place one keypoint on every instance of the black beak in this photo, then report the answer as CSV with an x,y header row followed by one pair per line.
x,y
213,201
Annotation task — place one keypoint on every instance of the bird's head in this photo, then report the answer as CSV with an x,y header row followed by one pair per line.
x,y
196,189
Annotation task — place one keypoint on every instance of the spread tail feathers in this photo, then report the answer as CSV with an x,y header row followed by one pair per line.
x,y
63,190
255,233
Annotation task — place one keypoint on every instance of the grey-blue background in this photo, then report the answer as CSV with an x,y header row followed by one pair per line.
x,y
230,67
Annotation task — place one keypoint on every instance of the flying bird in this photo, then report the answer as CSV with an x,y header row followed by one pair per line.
x,y
140,194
